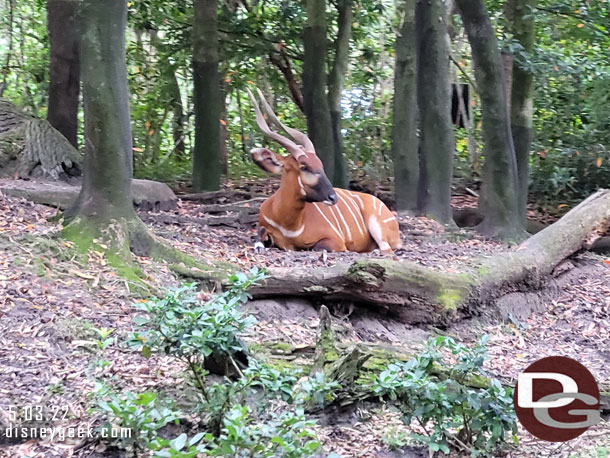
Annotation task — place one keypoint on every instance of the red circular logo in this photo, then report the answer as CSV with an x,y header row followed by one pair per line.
x,y
556,399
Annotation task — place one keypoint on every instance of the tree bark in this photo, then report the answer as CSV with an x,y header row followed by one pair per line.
x,y
280,60
319,124
405,144
335,87
178,117
434,97
206,96
64,79
500,195
522,27
223,137
106,190
31,147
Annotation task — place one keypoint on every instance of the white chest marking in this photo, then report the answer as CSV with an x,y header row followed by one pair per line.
x,y
285,232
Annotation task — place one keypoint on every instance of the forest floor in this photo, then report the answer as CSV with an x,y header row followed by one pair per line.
x,y
51,302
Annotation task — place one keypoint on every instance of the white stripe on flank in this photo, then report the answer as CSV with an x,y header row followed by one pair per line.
x,y
347,201
285,232
374,202
327,220
349,233
391,218
332,212
356,196
380,206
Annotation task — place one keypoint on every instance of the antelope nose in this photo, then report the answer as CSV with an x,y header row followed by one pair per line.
x,y
333,198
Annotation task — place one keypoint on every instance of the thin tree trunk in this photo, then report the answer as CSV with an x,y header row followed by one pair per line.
x,y
405,144
335,87
434,97
178,117
500,178
10,4
64,84
106,190
206,96
242,129
522,27
168,72
280,60
319,125
224,154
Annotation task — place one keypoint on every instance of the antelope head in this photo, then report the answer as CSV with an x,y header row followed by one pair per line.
x,y
301,168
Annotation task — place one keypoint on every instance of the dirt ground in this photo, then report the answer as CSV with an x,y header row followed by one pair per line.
x,y
50,302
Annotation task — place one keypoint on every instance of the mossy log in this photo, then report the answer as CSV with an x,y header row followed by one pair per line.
x,y
147,195
373,357
415,294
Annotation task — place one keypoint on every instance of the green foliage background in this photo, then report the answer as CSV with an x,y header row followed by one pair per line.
x,y
570,155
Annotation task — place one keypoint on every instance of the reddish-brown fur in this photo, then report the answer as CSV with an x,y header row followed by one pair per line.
x,y
307,212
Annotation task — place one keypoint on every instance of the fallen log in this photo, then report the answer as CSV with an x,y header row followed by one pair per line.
x,y
415,294
147,195
215,197
370,358
240,220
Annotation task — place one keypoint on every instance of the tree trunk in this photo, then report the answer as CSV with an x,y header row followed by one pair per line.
x,y
64,83
106,190
206,96
500,177
280,60
405,144
319,124
434,97
103,216
224,153
168,72
522,27
335,87
178,117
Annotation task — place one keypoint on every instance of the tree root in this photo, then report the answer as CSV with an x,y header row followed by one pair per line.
x,y
119,237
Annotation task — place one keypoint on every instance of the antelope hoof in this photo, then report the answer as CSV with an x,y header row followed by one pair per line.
x,y
259,247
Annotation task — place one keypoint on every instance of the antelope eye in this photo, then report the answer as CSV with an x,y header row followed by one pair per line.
x,y
304,168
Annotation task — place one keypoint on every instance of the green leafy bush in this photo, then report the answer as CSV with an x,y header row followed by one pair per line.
x,y
437,392
274,382
138,416
316,390
181,325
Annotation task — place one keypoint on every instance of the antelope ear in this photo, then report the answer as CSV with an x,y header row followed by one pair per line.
x,y
268,160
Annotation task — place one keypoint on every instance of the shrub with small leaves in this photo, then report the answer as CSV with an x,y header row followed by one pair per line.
x,y
316,390
139,415
288,435
437,391
276,382
182,325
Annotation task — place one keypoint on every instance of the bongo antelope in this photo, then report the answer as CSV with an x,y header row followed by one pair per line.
x,y
306,212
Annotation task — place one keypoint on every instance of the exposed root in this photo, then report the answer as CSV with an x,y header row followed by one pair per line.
x,y
119,238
